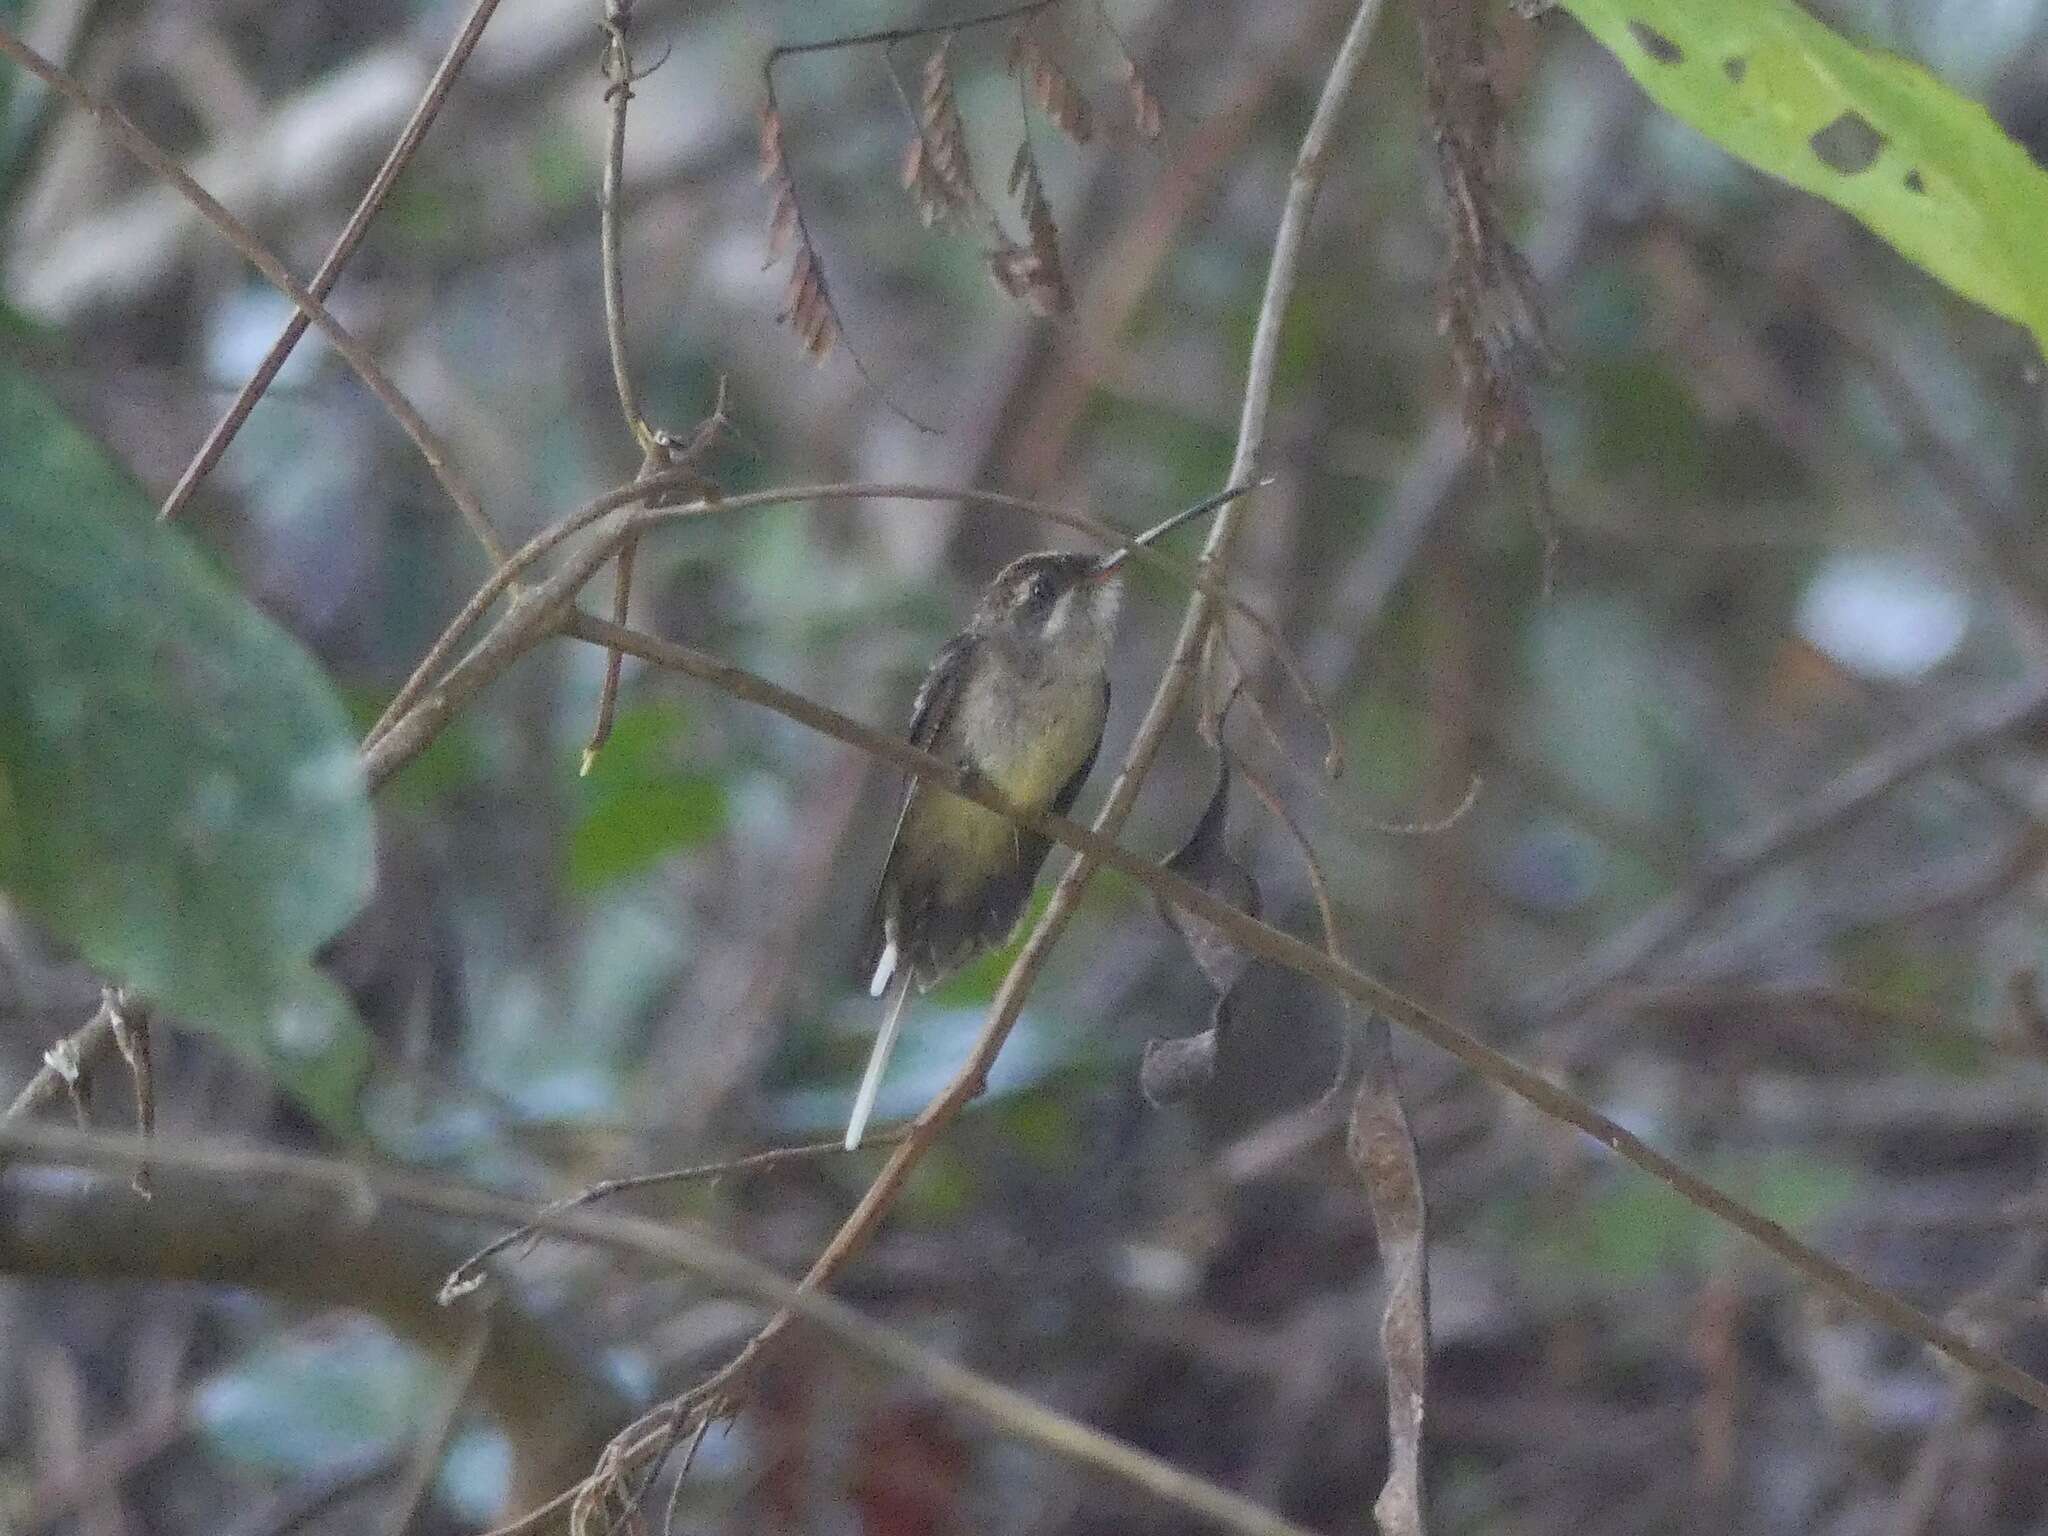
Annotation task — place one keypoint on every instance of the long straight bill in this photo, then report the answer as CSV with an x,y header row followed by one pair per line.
x,y
1116,557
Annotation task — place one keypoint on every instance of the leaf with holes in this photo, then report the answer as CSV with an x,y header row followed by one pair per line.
x,y
179,790
1923,166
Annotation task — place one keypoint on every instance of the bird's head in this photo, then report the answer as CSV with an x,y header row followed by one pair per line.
x,y
1065,605
1054,602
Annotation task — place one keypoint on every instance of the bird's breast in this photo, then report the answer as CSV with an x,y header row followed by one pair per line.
x,y
1029,735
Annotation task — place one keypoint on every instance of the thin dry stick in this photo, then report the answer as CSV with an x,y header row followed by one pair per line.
x,y
618,71
618,94
888,36
614,663
469,1274
351,236
1008,1411
237,234
1284,949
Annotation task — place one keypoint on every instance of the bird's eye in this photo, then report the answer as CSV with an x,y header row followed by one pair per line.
x,y
1039,595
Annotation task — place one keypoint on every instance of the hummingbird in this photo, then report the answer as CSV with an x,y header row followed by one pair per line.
x,y
1019,699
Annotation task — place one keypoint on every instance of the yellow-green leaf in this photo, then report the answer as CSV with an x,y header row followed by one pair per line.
x,y
1922,165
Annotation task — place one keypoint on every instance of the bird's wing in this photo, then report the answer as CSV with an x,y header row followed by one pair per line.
x,y
937,696
940,691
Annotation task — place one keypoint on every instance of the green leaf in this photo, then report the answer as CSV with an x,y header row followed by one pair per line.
x,y
1923,166
639,803
179,790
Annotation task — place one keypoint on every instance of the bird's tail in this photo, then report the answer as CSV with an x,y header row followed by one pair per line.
x,y
878,1060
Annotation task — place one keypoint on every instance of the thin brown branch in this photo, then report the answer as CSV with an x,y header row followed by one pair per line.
x,y
619,77
322,283
1008,1411
614,663
660,454
887,36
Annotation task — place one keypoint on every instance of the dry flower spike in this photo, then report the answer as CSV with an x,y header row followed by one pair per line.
x,y
937,170
1051,89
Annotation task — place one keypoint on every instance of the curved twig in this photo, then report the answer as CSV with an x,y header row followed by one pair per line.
x,y
469,1274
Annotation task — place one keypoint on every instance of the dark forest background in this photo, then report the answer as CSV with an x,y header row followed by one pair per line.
x,y
1755,863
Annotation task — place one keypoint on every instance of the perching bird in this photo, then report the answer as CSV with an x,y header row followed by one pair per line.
x,y
1020,698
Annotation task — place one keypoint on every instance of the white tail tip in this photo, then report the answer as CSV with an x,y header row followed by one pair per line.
x,y
878,1061
885,968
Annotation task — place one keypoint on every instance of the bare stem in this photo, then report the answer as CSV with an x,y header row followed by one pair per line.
x,y
618,69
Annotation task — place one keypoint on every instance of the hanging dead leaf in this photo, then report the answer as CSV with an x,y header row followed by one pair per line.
x,y
1173,1071
1382,1149
1204,860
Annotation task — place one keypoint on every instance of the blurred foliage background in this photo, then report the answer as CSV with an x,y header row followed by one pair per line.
x,y
1797,485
